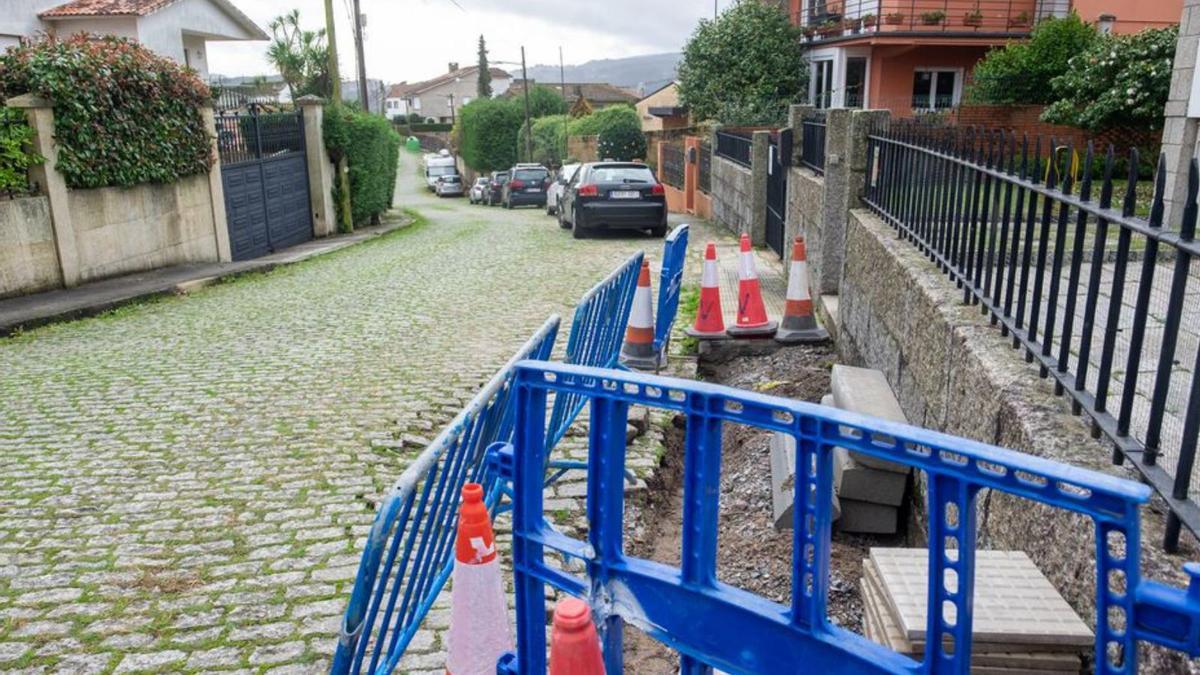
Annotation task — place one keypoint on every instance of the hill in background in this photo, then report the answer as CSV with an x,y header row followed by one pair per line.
x,y
639,73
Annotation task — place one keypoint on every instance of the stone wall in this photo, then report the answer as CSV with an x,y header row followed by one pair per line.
x,y
732,195
28,258
805,206
121,230
954,372
1181,133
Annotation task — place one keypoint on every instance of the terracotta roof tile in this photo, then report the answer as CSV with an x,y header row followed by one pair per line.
x,y
106,8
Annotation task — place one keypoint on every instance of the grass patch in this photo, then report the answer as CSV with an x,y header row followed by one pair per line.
x,y
689,305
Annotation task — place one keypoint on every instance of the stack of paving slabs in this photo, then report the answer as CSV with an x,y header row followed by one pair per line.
x,y
1021,623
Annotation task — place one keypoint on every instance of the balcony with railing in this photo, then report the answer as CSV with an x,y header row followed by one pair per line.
x,y
827,20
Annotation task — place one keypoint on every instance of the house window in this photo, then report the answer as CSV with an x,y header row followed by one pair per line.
x,y
416,104
822,83
856,81
935,89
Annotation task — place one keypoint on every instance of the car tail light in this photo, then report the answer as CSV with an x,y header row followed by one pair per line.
x,y
589,190
516,184
658,189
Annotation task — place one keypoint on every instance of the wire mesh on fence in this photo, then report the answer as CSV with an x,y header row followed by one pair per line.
x,y
706,167
812,149
1066,257
734,146
673,165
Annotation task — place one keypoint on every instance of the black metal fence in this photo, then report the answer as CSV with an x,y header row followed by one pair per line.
x,y
706,168
253,135
1075,264
673,162
734,146
812,139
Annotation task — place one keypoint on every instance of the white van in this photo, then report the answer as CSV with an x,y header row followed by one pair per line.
x,y
436,166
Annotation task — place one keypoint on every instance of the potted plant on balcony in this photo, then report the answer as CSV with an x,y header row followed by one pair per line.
x,y
973,18
830,28
853,25
894,19
1019,21
933,18
808,32
868,20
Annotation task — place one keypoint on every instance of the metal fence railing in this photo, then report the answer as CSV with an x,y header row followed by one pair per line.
x,y
1075,264
812,149
706,168
734,146
254,134
673,160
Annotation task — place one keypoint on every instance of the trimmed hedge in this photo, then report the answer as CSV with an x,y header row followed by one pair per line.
x,y
371,148
15,159
122,114
548,141
619,129
487,133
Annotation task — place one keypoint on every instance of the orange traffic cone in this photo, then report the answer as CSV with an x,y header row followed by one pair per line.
x,y
479,630
638,350
574,645
710,321
799,324
752,314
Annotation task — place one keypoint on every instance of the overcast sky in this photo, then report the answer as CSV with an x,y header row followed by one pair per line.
x,y
415,39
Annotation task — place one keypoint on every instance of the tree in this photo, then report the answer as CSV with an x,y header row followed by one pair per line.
x,y
483,86
1020,72
1120,81
301,56
545,101
744,67
487,131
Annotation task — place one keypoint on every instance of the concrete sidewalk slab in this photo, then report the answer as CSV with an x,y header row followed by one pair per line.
x,y
38,309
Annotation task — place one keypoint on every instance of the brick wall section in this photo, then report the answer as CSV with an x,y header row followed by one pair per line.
x,y
1026,119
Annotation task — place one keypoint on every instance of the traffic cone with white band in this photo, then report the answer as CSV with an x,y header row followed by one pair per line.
x,y
710,321
574,643
752,318
638,350
479,630
799,323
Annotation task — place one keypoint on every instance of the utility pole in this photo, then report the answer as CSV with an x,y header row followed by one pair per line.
x,y
451,97
362,65
528,128
562,84
331,55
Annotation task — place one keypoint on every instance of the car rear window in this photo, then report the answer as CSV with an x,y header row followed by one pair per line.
x,y
532,175
442,171
622,174
451,179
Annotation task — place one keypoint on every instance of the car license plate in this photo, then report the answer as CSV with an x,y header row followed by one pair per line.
x,y
533,189
625,194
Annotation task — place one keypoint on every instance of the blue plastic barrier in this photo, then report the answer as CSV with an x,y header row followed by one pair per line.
x,y
714,625
669,285
416,522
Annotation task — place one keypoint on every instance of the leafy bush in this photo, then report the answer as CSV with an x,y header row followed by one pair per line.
x,y
543,101
597,122
122,115
1120,81
744,67
1021,71
15,159
370,147
548,139
487,133
622,140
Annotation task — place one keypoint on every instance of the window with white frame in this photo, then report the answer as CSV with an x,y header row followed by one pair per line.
x,y
822,83
936,88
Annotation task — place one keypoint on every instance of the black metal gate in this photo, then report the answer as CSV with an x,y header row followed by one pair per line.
x,y
265,175
779,159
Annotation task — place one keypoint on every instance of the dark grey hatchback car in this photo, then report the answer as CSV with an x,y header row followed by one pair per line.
x,y
614,196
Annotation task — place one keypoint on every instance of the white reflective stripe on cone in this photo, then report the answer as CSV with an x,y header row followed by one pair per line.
x,y
642,315
711,277
479,624
798,282
746,266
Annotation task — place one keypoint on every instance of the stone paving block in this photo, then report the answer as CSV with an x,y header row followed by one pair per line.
x,y
868,518
854,480
783,487
866,392
1014,602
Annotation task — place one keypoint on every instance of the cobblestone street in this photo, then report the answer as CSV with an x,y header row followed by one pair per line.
x,y
184,483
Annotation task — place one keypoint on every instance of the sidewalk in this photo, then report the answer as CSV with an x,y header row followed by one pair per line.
x,y
94,298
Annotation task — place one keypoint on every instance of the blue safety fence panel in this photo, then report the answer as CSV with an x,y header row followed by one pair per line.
x,y
409,552
596,335
714,625
669,286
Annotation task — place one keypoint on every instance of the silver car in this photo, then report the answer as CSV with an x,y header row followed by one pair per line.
x,y
449,186
554,193
476,193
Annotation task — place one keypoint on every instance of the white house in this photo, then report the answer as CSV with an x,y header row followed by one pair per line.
x,y
178,29
440,97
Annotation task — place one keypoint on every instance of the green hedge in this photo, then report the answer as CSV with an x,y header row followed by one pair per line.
x,y
15,158
619,129
122,114
371,148
487,133
548,141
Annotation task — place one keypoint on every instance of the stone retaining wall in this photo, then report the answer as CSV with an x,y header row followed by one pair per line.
x,y
28,258
732,195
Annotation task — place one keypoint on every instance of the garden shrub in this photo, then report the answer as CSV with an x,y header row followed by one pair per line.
x,y
122,114
593,124
548,141
1120,81
15,156
619,129
370,147
487,133
1021,72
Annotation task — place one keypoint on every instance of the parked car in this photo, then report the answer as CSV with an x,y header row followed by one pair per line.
x,y
554,193
436,166
449,186
527,187
613,195
495,188
477,190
